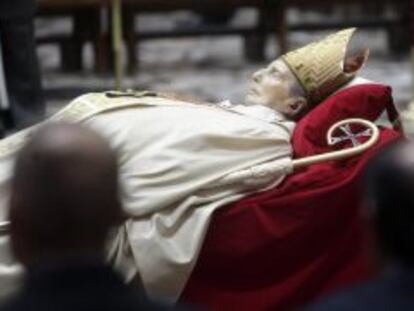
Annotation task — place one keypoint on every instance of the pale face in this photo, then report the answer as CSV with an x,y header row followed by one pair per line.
x,y
271,86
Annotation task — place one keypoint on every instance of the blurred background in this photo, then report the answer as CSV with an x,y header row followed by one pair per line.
x,y
207,48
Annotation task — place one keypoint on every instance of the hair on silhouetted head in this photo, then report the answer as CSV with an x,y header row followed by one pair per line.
x,y
64,193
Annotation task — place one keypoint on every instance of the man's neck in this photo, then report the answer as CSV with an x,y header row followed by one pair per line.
x,y
263,112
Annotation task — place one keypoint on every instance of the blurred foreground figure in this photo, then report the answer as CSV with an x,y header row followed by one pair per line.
x,y
22,74
64,202
391,217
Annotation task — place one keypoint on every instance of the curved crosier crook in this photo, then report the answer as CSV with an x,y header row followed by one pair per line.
x,y
263,173
341,154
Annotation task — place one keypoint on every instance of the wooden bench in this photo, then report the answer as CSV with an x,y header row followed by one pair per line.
x,y
272,19
269,17
86,15
86,27
397,26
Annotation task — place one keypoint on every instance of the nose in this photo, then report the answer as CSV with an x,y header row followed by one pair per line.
x,y
257,76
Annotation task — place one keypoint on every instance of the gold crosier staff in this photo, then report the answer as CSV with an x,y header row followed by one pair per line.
x,y
117,41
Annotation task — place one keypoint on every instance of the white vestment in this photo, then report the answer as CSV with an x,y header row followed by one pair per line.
x,y
171,154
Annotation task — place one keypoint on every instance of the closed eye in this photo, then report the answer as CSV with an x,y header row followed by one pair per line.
x,y
274,72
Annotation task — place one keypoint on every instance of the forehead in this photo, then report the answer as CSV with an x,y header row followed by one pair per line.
x,y
279,65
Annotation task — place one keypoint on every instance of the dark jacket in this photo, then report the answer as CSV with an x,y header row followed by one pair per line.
x,y
11,9
85,287
392,292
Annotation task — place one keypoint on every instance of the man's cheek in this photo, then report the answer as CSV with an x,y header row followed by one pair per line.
x,y
275,94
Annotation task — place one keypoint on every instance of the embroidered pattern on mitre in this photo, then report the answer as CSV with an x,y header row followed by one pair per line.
x,y
319,66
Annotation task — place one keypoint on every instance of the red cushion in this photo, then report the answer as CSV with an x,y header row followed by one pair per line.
x,y
365,101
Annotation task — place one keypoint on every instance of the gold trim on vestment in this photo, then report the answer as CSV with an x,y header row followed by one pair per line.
x,y
82,108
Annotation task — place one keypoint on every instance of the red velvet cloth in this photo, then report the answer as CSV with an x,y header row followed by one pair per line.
x,y
366,101
284,247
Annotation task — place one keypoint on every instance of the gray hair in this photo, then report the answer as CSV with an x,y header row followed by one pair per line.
x,y
296,88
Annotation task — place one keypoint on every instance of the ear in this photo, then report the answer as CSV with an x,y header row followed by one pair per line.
x,y
355,62
297,106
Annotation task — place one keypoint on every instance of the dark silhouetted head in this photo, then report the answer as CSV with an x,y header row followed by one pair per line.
x,y
64,195
390,183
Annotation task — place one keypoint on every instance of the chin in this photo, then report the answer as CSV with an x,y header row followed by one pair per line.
x,y
252,99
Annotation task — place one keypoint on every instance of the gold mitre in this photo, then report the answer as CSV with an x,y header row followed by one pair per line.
x,y
319,66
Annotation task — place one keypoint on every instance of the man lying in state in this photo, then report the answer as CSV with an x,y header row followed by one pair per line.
x,y
175,154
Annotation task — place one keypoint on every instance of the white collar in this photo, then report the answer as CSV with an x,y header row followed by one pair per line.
x,y
260,112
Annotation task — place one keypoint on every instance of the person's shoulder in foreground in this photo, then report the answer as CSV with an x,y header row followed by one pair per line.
x,y
393,292
389,218
87,286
